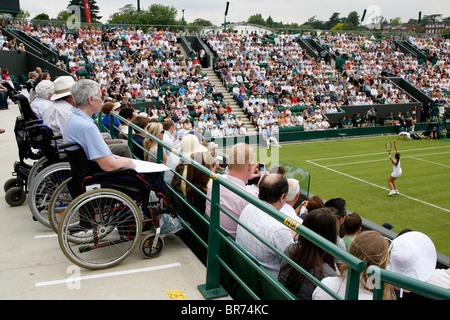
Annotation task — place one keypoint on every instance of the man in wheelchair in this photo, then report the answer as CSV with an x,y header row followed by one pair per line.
x,y
81,129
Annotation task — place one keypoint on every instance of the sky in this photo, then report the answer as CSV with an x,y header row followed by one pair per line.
x,y
286,11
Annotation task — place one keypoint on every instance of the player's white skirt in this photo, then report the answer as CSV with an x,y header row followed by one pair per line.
x,y
396,173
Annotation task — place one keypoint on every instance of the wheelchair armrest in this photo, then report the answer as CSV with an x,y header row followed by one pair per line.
x,y
33,126
118,172
33,122
64,146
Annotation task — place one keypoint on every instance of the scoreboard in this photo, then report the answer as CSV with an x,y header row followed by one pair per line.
x,y
10,6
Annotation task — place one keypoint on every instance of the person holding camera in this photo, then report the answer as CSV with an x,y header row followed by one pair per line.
x,y
240,170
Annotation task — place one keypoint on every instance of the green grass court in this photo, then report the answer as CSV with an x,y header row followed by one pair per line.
x,y
357,170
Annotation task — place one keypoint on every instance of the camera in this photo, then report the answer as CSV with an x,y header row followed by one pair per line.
x,y
261,167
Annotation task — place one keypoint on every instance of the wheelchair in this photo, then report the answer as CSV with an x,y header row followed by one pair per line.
x,y
109,217
17,188
35,141
47,173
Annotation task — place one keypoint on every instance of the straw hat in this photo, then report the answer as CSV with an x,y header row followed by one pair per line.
x,y
190,144
414,255
62,87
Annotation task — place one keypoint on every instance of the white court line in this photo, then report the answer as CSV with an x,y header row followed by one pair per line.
x,y
375,185
435,163
406,157
104,275
46,236
375,153
352,163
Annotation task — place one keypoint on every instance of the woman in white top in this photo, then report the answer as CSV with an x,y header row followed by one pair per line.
x,y
373,249
396,171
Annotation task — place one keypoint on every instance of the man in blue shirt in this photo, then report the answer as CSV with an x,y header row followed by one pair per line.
x,y
80,128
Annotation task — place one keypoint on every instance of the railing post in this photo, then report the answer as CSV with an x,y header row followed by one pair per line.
x,y
130,138
378,288
99,121
111,126
212,289
352,290
160,154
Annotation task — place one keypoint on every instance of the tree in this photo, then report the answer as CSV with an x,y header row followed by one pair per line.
x,y
42,17
334,20
352,21
93,9
338,26
306,26
315,24
63,15
257,19
432,18
158,14
23,14
200,22
126,14
293,26
396,21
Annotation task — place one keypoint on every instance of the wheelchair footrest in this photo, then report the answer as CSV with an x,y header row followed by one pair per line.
x,y
169,210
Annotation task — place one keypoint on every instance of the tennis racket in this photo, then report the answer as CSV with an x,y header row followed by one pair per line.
x,y
388,147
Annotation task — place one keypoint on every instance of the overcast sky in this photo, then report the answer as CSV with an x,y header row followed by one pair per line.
x,y
286,11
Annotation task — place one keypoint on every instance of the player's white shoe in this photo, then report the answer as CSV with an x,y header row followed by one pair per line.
x,y
391,193
396,192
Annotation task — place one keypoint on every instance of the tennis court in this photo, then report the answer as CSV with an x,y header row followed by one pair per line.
x,y
357,170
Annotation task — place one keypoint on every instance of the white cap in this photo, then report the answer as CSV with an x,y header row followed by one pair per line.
x,y
44,89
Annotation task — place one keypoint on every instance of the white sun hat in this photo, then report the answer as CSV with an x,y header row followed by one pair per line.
x,y
413,255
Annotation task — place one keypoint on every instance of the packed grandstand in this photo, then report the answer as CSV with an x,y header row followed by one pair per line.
x,y
270,76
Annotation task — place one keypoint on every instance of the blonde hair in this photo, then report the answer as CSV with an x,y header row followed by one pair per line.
x,y
240,156
373,249
154,128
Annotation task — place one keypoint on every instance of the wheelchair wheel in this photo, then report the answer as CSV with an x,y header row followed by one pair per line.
x,y
42,188
59,201
109,226
149,248
10,183
37,167
15,196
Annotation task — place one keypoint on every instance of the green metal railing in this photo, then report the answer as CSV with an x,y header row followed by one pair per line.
x,y
213,288
382,276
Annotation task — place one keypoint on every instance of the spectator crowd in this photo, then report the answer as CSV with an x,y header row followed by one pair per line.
x,y
269,80
269,75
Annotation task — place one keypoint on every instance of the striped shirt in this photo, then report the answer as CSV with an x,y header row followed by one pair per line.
x,y
274,232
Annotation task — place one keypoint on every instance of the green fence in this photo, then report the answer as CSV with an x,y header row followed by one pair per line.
x,y
230,269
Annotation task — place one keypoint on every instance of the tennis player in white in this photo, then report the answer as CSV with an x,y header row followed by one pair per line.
x,y
396,171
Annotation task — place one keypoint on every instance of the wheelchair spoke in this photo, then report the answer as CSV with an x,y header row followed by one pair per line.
x,y
100,228
43,187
